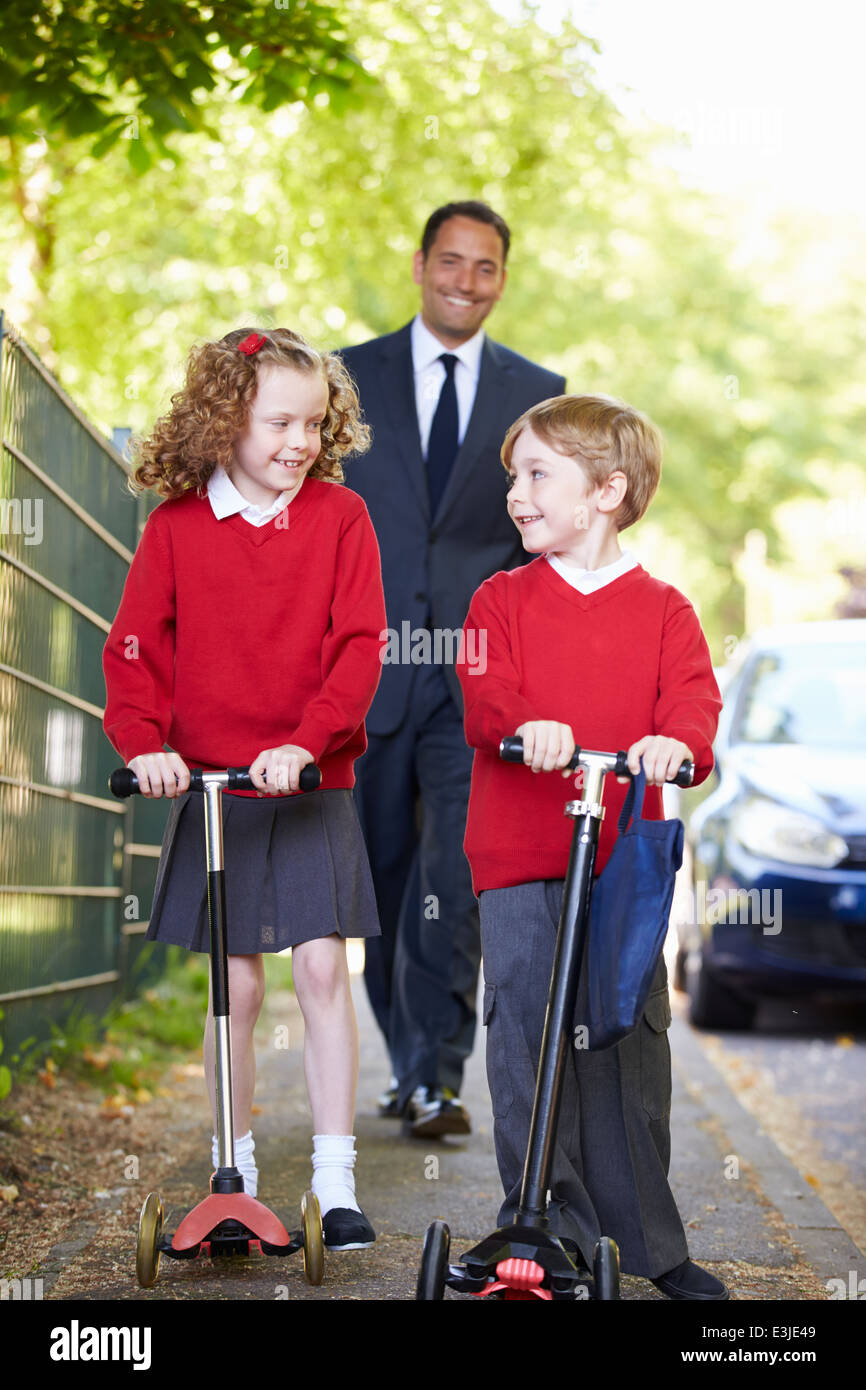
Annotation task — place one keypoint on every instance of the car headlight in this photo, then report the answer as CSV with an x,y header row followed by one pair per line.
x,y
771,831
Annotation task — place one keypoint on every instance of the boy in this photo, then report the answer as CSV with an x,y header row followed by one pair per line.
x,y
581,645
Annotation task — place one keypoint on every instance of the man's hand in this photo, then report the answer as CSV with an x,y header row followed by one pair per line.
x,y
546,745
282,768
160,774
661,757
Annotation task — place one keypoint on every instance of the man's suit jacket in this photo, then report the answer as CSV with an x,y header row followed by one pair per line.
x,y
432,565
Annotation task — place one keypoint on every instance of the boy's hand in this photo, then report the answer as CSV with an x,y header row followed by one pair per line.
x,y
282,768
661,758
546,745
160,774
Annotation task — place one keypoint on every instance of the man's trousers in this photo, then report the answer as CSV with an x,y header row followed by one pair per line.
x,y
412,795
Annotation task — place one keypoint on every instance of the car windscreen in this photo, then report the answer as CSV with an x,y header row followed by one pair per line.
x,y
809,694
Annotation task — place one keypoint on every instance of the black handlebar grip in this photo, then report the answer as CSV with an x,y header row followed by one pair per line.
x,y
123,781
511,751
240,780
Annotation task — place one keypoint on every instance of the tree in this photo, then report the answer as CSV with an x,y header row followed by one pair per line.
x,y
618,276
147,69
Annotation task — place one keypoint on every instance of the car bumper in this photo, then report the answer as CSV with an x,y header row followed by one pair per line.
x,y
800,931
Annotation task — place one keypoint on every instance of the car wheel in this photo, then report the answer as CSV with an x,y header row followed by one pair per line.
x,y
712,1004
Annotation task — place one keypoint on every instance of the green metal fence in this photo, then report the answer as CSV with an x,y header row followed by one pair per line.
x,y
76,866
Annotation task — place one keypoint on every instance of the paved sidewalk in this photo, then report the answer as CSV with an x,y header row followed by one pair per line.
x,y
749,1215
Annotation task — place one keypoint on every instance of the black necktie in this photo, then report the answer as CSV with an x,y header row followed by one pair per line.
x,y
442,445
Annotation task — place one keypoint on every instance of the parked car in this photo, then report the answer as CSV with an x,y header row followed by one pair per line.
x,y
777,846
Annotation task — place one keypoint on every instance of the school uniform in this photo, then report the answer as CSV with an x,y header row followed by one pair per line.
x,y
243,628
616,655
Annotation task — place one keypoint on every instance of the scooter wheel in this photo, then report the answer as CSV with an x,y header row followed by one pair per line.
x,y
150,1224
605,1268
434,1263
314,1244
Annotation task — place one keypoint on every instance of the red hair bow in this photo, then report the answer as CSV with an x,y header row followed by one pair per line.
x,y
252,344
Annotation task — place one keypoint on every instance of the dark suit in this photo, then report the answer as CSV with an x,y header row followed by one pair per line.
x,y
422,975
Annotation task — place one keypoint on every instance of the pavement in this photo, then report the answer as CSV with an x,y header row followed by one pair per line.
x,y
750,1215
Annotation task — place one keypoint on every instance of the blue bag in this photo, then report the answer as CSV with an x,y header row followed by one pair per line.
x,y
628,922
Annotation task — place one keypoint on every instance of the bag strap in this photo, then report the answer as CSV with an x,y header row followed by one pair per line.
x,y
633,801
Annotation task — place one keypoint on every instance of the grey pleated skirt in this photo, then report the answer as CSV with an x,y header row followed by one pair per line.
x,y
296,869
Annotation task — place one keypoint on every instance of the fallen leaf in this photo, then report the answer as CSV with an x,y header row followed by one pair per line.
x,y
8,1194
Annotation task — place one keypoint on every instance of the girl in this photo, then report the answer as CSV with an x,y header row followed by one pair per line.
x,y
249,633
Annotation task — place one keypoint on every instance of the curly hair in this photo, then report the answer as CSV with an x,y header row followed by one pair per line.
x,y
213,408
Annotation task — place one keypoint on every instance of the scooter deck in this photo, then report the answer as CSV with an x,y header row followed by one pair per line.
x,y
520,1261
214,1232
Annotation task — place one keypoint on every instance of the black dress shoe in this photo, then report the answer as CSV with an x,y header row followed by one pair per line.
x,y
689,1280
345,1229
434,1110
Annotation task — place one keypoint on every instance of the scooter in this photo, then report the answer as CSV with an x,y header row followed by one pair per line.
x,y
228,1221
525,1260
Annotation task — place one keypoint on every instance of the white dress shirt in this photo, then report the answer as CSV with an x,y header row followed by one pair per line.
x,y
430,375
226,500
587,581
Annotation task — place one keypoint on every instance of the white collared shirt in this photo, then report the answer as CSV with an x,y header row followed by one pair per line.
x,y
587,581
226,500
430,375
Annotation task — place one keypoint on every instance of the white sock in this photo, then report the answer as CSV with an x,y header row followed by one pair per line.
x,y
333,1176
244,1161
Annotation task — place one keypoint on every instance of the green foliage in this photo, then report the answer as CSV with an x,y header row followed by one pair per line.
x,y
134,1041
308,215
144,70
5,1073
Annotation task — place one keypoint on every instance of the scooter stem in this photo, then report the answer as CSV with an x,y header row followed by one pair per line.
x,y
571,933
216,893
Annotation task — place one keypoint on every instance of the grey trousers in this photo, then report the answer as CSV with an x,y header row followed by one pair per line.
x,y
612,1150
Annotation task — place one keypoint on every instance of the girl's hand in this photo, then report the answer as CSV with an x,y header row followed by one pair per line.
x,y
661,758
282,768
160,774
546,745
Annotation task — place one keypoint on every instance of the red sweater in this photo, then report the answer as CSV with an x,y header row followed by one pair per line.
x,y
617,664
249,637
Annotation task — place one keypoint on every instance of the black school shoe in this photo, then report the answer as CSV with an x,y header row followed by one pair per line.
x,y
345,1229
434,1110
689,1280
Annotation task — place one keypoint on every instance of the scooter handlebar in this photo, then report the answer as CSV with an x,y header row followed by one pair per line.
x,y
511,751
123,781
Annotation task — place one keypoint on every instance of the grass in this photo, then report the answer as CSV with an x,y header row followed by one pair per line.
x,y
126,1051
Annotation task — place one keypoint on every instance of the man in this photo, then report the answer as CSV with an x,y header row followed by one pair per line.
x,y
439,396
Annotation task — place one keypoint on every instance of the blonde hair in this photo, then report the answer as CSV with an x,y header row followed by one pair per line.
x,y
602,434
213,409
